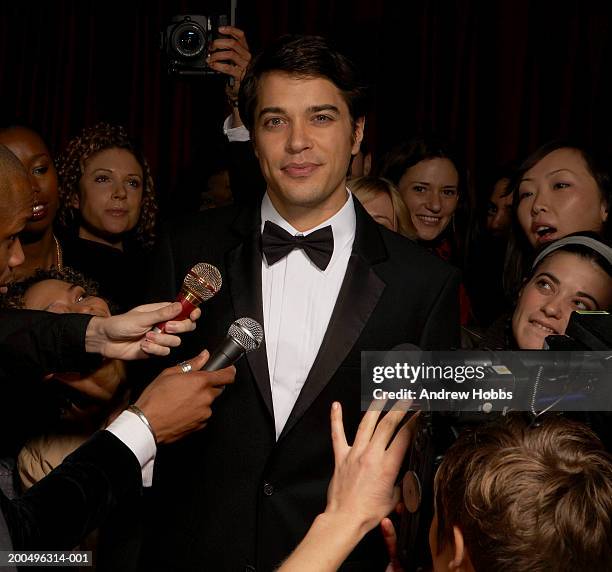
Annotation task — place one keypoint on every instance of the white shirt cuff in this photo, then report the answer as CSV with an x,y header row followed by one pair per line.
x,y
235,134
137,437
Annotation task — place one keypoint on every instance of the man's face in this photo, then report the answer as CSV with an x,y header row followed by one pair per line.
x,y
14,214
304,139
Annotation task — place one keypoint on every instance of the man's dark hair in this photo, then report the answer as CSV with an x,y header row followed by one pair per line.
x,y
303,57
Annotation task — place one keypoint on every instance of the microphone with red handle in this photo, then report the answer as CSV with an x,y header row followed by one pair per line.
x,y
201,283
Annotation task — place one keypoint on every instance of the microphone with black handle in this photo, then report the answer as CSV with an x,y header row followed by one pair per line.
x,y
243,336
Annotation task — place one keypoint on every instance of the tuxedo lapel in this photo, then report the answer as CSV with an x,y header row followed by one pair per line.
x,y
360,291
243,265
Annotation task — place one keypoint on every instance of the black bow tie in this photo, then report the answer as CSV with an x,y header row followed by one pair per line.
x,y
278,243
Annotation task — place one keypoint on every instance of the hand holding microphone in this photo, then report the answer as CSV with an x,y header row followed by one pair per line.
x,y
201,283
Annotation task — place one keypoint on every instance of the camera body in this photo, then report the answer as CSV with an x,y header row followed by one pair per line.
x,y
187,40
586,330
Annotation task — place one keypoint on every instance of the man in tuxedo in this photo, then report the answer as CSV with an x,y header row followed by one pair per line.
x,y
326,282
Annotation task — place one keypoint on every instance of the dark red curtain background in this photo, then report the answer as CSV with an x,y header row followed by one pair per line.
x,y
496,77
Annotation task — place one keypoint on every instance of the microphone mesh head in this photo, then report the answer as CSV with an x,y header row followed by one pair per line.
x,y
203,281
247,332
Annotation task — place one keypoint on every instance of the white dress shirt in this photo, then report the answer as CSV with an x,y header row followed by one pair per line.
x,y
137,437
234,134
298,300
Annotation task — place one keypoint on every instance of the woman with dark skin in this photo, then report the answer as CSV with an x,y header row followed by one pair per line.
x,y
41,247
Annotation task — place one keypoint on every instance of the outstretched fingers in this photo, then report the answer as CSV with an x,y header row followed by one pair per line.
x,y
341,447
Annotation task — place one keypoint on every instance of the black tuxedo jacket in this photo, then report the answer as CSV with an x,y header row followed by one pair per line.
x,y
231,497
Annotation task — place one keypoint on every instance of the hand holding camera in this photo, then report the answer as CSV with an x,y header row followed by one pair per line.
x,y
188,41
230,55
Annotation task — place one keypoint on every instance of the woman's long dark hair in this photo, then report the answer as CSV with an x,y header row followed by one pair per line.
x,y
520,253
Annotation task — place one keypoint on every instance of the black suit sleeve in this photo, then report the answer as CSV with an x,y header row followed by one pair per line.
x,y
75,498
441,331
33,343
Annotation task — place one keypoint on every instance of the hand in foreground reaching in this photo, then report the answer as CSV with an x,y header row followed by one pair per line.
x,y
177,403
128,336
363,486
362,490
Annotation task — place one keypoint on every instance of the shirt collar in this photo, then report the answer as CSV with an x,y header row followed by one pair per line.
x,y
343,223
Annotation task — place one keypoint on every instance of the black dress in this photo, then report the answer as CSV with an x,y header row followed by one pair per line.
x,y
116,272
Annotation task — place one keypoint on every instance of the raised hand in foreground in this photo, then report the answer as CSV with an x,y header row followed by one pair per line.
x,y
362,490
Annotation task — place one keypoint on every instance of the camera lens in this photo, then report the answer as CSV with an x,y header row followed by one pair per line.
x,y
189,40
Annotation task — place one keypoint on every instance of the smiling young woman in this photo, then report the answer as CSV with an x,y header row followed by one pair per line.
x,y
432,182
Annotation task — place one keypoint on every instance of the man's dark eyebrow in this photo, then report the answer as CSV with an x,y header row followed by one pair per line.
x,y
312,109
324,107
270,110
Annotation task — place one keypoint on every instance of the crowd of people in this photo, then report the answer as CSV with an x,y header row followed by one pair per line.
x,y
335,251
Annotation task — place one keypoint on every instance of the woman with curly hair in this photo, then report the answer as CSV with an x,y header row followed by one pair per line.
x,y
107,213
106,189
